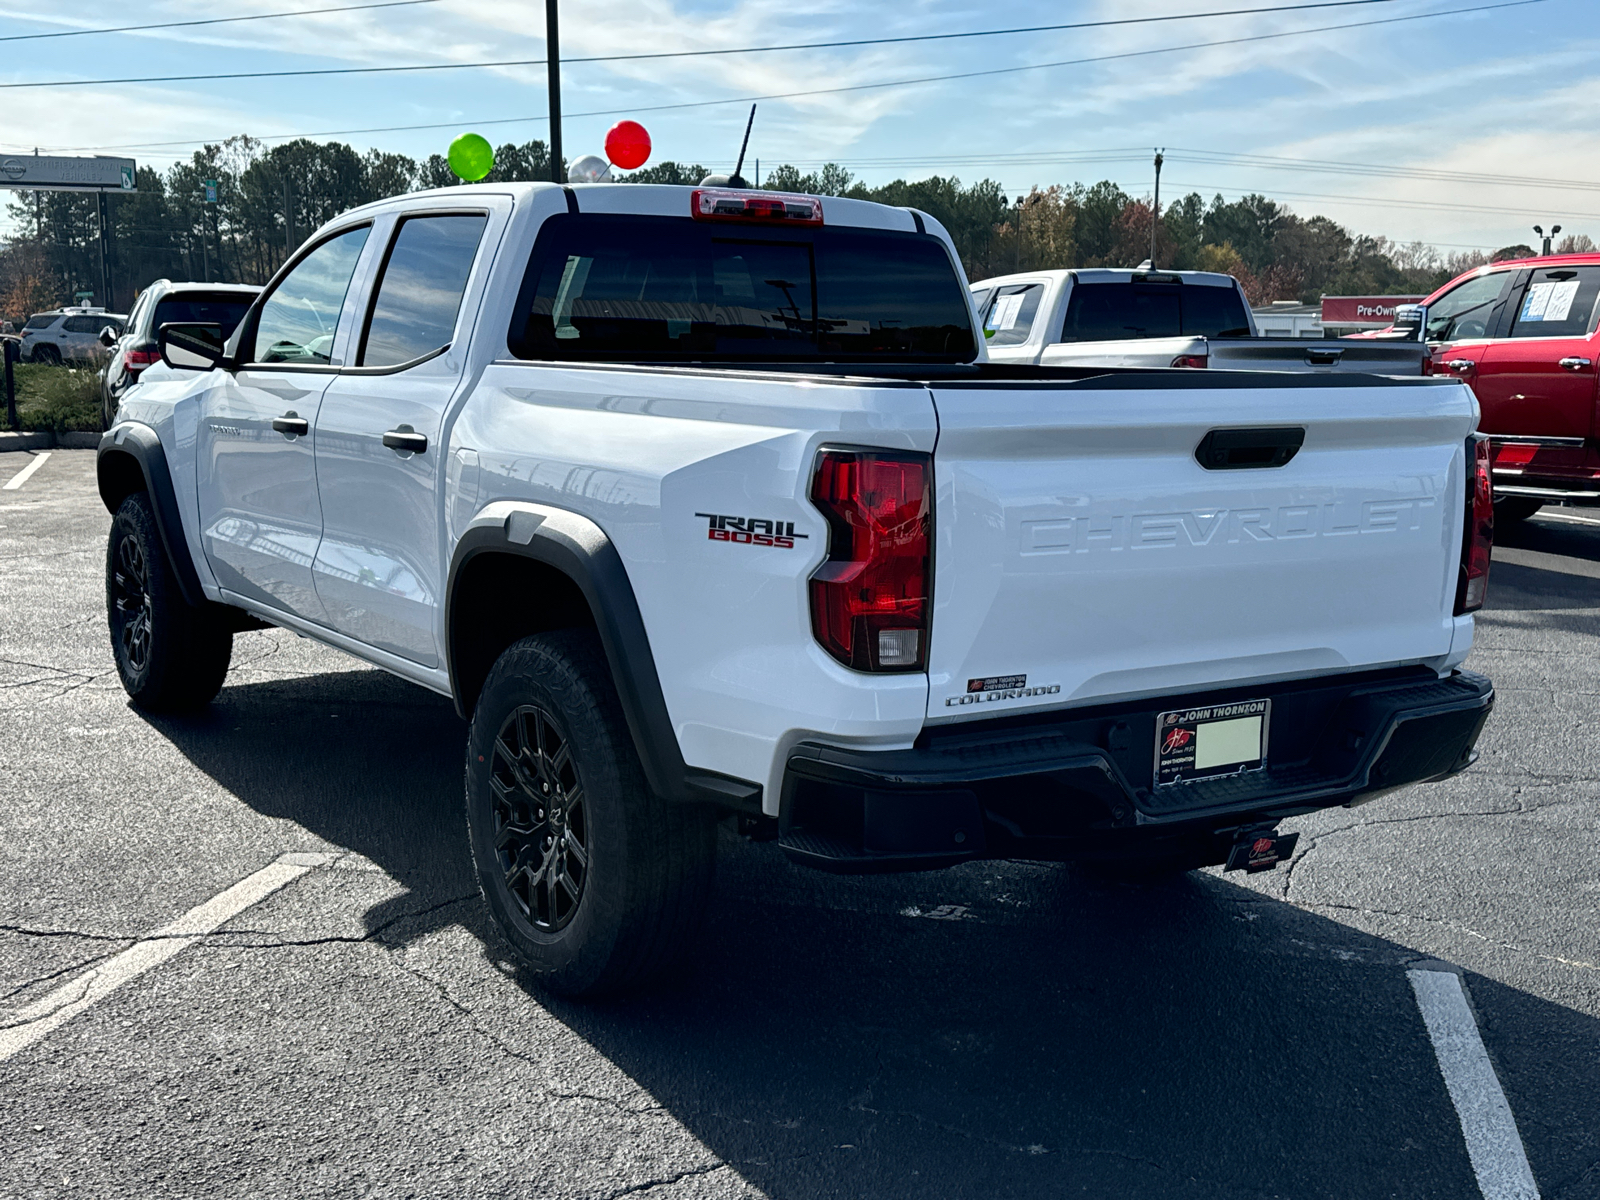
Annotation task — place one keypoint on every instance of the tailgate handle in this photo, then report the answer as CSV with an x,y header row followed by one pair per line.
x,y
1318,357
1245,449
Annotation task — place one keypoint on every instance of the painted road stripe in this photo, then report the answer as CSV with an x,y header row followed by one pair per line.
x,y
1561,516
40,1019
21,477
1493,1144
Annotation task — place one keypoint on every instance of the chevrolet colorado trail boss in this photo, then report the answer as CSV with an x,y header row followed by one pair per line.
x,y
705,503
1104,317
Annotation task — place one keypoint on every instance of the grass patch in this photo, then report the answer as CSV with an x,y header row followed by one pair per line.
x,y
57,398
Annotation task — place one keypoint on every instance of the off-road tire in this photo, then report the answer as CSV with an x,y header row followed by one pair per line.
x,y
1511,509
612,919
170,655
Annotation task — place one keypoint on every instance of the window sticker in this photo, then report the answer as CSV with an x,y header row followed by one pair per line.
x,y
1537,301
1005,312
1560,303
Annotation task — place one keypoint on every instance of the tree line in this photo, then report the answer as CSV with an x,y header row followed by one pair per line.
x,y
269,199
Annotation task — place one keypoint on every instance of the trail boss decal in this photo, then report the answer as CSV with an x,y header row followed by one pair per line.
x,y
751,531
1000,687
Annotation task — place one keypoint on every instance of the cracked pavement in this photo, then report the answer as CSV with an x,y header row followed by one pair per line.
x,y
1003,1029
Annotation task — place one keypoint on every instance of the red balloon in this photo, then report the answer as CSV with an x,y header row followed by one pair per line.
x,y
627,145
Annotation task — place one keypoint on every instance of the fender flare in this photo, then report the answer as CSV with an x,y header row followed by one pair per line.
x,y
142,445
580,549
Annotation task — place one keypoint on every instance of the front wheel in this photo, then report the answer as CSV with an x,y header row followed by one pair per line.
x,y
597,883
170,655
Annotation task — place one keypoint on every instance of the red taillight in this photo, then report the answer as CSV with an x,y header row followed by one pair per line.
x,y
1189,360
869,601
138,360
1478,543
728,204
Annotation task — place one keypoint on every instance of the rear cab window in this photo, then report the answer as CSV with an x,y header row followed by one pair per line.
x,y
1109,312
602,287
202,308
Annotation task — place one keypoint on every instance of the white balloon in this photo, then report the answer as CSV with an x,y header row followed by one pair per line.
x,y
591,168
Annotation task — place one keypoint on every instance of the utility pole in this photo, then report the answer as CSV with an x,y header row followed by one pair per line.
x,y
288,219
1155,212
552,67
105,254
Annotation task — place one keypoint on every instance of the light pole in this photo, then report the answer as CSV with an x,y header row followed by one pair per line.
x,y
1548,237
1155,212
552,48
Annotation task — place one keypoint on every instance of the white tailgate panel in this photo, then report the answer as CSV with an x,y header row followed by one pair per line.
x,y
1079,542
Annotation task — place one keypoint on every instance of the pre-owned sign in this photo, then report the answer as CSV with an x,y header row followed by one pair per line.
x,y
49,173
1376,311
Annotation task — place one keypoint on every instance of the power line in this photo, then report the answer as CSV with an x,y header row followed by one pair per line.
x,y
300,12
539,62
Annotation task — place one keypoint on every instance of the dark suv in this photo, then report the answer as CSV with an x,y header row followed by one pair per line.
x,y
165,303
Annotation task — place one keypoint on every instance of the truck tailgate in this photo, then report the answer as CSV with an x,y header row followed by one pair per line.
x,y
1083,553
1319,354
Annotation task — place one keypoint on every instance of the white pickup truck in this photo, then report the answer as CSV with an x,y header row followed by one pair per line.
x,y
1100,317
705,504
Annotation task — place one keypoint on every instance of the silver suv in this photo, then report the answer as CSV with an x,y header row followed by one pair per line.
x,y
68,334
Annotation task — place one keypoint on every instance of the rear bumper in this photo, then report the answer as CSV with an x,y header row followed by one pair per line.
x,y
1078,784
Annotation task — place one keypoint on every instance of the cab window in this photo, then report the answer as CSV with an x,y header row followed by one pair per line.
x,y
419,291
1008,315
299,320
1558,302
1464,311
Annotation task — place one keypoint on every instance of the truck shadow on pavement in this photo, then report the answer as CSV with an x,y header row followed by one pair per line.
x,y
1002,1029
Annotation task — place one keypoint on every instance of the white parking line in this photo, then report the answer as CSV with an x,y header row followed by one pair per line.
x,y
1493,1143
43,1017
1561,516
21,477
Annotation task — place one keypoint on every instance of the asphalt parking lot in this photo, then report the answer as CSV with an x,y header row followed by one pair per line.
x,y
241,954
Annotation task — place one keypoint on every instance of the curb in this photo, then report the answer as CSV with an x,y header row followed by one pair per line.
x,y
48,440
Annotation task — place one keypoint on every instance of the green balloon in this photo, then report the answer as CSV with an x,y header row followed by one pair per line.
x,y
471,157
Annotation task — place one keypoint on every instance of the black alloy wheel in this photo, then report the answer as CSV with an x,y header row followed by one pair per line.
x,y
130,587
541,832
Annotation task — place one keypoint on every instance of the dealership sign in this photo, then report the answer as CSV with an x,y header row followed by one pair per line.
x,y
49,173
1376,311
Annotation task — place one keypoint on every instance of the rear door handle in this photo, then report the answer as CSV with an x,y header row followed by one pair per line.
x,y
406,440
1461,366
1574,363
292,424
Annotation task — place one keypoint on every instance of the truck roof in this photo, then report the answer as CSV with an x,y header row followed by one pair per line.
x,y
1106,275
658,199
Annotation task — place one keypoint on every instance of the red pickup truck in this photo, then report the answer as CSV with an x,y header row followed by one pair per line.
x,y
1523,334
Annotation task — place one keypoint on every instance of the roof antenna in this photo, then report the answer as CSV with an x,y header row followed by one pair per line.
x,y
736,179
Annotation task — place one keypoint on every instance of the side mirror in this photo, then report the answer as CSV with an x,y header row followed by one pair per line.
x,y
192,347
1409,322
108,336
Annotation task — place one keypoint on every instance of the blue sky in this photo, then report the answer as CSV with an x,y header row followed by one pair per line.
x,y
1507,93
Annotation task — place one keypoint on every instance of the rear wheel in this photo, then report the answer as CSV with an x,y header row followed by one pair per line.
x,y
48,354
1511,509
170,655
597,884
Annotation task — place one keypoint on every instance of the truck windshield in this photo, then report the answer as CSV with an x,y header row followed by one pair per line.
x,y
622,288
1109,312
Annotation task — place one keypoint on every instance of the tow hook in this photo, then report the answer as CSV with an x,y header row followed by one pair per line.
x,y
1260,849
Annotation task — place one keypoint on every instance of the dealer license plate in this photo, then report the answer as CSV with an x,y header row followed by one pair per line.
x,y
1203,743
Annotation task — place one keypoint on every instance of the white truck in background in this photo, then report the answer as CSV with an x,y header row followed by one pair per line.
x,y
706,503
1102,317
